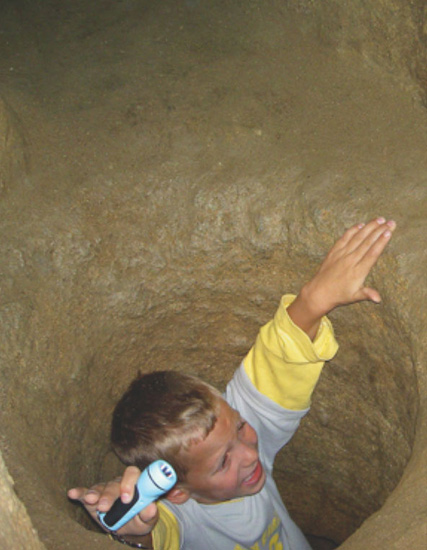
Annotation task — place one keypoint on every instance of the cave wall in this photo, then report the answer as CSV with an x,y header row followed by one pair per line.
x,y
83,267
391,33
17,529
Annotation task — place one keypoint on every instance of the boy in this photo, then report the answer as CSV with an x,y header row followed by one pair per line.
x,y
223,447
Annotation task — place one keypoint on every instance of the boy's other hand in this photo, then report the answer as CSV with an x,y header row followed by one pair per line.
x,y
340,279
102,496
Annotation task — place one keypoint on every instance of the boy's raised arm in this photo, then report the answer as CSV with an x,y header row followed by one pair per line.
x,y
341,277
287,358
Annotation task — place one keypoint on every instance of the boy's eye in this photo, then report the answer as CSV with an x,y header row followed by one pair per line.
x,y
224,462
241,425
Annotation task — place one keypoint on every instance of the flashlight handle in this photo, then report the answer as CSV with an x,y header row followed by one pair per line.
x,y
157,479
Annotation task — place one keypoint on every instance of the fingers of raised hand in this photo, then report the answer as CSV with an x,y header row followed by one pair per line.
x,y
369,249
369,244
350,240
366,237
348,236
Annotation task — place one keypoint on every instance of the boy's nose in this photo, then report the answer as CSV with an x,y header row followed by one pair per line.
x,y
249,454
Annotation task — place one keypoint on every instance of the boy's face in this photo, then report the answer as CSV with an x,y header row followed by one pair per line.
x,y
225,465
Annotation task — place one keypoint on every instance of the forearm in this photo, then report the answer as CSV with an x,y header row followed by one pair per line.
x,y
287,358
284,364
305,314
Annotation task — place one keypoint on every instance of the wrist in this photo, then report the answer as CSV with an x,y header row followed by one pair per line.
x,y
306,311
314,302
135,541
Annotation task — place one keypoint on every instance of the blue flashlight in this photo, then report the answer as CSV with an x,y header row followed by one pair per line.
x,y
157,479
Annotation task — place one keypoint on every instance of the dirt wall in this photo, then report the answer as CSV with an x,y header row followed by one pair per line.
x,y
169,170
392,33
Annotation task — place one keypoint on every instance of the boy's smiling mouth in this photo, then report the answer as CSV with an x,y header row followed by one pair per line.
x,y
255,476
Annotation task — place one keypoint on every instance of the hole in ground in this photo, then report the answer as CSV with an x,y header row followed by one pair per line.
x,y
351,449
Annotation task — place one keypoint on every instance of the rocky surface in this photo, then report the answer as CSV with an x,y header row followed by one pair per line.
x,y
168,170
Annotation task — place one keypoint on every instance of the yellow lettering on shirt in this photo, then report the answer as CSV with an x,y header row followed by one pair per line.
x,y
270,539
275,543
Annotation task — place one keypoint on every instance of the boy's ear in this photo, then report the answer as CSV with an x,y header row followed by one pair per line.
x,y
178,495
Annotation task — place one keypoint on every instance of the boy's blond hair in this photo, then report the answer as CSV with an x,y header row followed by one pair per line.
x,y
161,414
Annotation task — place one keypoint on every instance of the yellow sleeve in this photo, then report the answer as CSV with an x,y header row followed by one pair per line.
x,y
166,532
284,364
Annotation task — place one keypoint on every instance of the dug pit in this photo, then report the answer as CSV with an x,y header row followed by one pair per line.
x,y
160,195
348,456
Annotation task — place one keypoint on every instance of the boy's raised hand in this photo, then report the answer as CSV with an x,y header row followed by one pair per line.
x,y
341,277
102,496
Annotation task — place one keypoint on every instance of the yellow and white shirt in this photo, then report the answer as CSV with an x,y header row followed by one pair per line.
x,y
271,390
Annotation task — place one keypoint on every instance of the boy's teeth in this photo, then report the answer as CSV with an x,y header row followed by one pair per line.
x,y
252,474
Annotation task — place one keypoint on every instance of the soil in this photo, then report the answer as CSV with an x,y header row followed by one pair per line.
x,y
193,160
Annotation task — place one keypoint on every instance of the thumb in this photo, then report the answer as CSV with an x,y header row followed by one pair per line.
x,y
370,294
